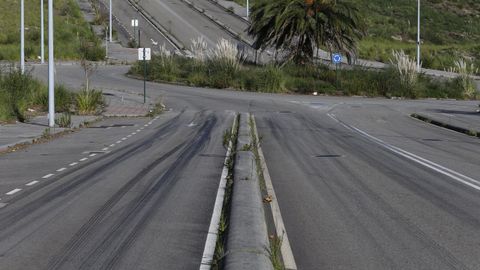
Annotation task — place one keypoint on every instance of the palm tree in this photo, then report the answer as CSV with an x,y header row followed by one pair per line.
x,y
301,26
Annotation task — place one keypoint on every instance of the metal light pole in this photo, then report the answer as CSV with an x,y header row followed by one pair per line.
x,y
418,37
42,37
51,75
248,10
22,36
110,21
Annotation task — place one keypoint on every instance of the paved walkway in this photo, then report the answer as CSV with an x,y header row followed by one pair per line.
x,y
118,104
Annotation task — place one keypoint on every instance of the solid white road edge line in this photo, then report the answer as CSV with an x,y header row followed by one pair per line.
x,y
287,253
210,243
13,191
420,160
31,183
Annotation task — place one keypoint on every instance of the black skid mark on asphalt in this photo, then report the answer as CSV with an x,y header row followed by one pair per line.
x,y
135,215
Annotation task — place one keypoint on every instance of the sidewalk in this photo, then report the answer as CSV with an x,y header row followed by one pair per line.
x,y
119,104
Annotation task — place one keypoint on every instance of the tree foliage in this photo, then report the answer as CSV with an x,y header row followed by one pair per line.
x,y
301,26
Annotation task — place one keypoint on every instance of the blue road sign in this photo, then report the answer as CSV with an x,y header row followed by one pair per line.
x,y
337,58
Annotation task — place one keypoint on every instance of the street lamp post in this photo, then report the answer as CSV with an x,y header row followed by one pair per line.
x,y
418,36
248,9
110,21
42,38
22,36
51,75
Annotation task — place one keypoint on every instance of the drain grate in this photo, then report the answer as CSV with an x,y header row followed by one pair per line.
x,y
328,156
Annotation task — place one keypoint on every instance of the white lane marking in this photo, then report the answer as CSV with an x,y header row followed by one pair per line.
x,y
118,141
112,145
92,155
286,249
130,135
150,122
105,149
13,191
138,130
142,128
420,160
48,176
146,125
192,124
124,138
61,169
83,159
31,183
123,126
73,164
134,133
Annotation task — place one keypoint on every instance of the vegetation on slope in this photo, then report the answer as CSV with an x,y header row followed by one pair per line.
x,y
70,30
450,29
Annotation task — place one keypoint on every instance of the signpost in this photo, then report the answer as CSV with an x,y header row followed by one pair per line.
x,y
144,54
337,60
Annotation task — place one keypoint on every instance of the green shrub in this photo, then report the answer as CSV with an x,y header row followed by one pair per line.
x,y
272,80
89,102
64,120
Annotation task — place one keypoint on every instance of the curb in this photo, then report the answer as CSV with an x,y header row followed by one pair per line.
x,y
286,250
213,230
473,133
247,241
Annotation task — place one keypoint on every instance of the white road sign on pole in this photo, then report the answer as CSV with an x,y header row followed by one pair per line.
x,y
148,54
134,23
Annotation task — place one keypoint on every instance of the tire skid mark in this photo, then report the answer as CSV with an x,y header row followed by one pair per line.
x,y
12,216
138,211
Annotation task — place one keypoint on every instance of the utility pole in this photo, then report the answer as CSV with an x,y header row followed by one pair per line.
x,y
42,33
22,36
248,10
110,21
418,37
51,75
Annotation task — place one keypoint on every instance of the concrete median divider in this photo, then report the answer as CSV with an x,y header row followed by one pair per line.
x,y
247,242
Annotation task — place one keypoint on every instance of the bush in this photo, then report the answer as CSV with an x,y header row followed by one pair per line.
x,y
89,102
64,120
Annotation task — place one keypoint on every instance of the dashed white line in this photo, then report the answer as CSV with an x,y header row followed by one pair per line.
x,y
61,169
134,133
31,183
48,176
92,155
124,138
105,149
130,135
83,159
118,141
138,130
124,126
13,191
73,164
146,125
112,145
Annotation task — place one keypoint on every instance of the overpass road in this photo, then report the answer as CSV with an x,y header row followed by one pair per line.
x,y
360,184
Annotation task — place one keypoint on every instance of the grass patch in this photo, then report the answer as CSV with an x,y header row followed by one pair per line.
x,y
70,30
89,102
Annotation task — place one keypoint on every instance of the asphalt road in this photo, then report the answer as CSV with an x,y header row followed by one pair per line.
x,y
350,195
143,203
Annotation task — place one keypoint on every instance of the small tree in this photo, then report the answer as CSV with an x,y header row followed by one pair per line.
x,y
89,67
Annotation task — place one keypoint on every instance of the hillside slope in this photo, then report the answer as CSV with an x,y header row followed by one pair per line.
x,y
70,29
450,29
